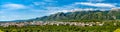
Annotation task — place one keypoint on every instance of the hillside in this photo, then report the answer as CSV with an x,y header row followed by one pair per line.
x,y
82,15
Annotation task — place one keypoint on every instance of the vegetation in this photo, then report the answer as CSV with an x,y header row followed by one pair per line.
x,y
49,28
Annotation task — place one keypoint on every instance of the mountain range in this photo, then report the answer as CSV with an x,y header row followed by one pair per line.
x,y
113,14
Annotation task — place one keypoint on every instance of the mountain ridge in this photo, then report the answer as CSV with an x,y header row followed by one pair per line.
x,y
82,15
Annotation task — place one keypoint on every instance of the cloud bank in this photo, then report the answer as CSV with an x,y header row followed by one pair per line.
x,y
97,4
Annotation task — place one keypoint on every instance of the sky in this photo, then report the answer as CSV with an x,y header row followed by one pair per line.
x,y
28,9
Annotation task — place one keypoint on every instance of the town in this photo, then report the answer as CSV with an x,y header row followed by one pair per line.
x,y
41,23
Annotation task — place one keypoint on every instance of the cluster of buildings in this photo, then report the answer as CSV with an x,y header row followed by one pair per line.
x,y
40,23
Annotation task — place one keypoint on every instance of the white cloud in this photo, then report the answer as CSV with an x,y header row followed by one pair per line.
x,y
95,0
97,4
13,6
66,8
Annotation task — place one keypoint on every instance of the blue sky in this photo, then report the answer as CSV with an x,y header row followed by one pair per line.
x,y
27,9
